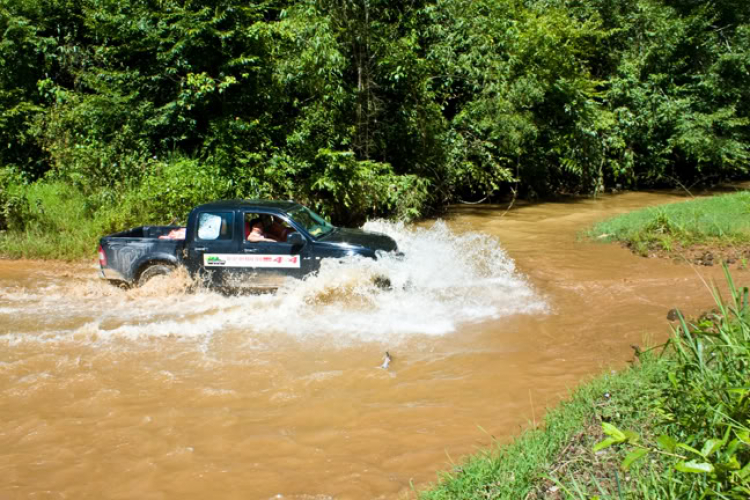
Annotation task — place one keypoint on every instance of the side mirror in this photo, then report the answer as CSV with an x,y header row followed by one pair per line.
x,y
295,239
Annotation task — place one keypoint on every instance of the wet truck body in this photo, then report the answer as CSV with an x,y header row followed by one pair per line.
x,y
215,246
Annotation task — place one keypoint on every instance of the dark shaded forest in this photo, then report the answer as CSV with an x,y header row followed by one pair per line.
x,y
123,112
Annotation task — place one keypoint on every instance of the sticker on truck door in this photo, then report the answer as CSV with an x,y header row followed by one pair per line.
x,y
236,260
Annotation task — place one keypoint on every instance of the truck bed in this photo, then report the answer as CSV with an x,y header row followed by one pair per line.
x,y
126,252
145,232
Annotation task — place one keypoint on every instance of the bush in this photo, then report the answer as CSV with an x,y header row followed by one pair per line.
x,y
11,187
53,219
48,219
349,191
171,189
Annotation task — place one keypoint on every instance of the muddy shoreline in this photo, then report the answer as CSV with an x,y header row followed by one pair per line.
x,y
736,257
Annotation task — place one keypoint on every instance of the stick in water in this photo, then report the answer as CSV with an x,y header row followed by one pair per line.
x,y
386,361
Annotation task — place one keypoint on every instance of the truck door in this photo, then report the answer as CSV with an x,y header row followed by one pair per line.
x,y
213,247
265,264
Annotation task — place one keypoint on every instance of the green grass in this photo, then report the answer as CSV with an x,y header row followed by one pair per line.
x,y
53,219
722,220
677,425
56,224
516,470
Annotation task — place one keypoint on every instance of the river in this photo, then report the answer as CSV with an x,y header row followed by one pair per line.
x,y
158,393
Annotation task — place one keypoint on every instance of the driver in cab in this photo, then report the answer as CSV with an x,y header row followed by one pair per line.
x,y
257,233
267,228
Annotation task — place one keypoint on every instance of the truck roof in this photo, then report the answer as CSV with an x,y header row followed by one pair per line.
x,y
283,206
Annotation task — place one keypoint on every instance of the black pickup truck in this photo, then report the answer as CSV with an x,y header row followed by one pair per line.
x,y
215,247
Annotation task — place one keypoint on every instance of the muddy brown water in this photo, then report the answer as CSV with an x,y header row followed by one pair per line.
x,y
157,393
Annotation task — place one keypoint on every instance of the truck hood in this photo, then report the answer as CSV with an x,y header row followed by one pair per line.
x,y
358,237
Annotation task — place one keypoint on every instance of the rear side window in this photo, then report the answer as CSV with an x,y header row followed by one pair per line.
x,y
215,226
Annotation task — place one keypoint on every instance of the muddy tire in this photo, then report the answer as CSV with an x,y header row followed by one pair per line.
x,y
154,270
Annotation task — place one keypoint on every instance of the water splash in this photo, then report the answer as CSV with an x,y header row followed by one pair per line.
x,y
442,280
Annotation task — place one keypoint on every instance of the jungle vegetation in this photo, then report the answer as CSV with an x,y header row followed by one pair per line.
x,y
116,113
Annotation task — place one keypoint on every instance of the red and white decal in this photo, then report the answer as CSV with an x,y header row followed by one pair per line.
x,y
237,260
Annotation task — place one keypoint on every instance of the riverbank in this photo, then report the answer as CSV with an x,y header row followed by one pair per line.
x,y
673,425
704,231
560,448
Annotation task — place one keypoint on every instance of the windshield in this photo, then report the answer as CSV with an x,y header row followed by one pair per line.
x,y
312,222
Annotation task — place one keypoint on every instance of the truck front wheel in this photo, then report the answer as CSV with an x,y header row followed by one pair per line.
x,y
154,270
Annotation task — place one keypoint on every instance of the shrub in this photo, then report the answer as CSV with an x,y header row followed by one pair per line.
x,y
48,219
172,188
348,190
11,185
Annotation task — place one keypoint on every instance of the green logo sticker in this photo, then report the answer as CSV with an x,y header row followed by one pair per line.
x,y
212,260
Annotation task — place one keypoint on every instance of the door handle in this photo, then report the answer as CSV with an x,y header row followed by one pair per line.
x,y
200,249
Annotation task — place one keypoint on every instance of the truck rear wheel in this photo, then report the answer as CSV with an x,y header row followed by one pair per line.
x,y
154,270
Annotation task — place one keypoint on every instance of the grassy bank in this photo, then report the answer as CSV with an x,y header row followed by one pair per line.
x,y
675,425
54,219
720,221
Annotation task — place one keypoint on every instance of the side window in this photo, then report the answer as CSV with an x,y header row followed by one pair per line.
x,y
215,226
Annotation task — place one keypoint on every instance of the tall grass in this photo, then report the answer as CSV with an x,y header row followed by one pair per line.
x,y
55,224
706,404
53,219
698,445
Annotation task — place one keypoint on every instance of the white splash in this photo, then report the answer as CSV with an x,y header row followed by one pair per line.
x,y
443,280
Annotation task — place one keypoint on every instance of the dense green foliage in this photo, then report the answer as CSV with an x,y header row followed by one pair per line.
x,y
367,107
675,426
719,220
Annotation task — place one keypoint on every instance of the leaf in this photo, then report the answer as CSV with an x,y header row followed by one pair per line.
x,y
633,456
605,444
613,431
729,465
666,443
631,437
689,448
711,446
694,467
745,471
